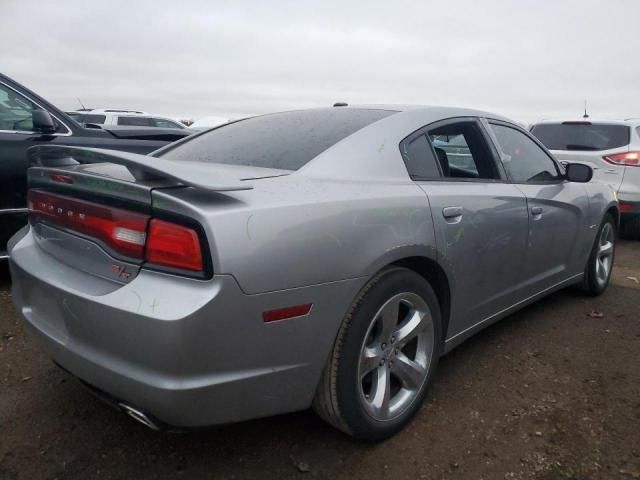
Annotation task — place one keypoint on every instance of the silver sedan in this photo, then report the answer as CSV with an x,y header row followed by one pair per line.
x,y
323,258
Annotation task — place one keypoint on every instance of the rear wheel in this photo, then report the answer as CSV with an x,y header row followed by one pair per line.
x,y
384,357
600,264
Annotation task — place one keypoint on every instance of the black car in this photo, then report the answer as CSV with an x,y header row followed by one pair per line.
x,y
26,119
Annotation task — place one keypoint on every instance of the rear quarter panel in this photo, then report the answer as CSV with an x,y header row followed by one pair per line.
x,y
292,231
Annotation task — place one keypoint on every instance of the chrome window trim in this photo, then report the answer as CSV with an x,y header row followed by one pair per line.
x,y
10,211
68,133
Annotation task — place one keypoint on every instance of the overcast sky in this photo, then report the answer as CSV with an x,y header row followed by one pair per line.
x,y
524,59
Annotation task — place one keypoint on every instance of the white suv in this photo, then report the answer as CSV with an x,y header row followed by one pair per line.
x,y
129,118
611,148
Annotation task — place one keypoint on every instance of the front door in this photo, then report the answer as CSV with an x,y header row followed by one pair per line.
x,y
16,135
557,209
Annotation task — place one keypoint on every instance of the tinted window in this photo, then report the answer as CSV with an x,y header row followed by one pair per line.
x,y
419,158
91,118
286,140
15,111
163,123
523,159
581,136
136,121
462,152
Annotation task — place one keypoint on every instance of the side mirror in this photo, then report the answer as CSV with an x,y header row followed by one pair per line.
x,y
578,172
42,122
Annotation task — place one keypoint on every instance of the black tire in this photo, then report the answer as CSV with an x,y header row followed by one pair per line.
x,y
630,228
593,285
338,399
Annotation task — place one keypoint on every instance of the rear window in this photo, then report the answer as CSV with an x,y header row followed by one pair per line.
x,y
581,136
286,140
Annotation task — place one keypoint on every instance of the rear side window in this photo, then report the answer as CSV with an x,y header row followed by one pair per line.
x,y
584,136
136,121
418,157
462,151
286,140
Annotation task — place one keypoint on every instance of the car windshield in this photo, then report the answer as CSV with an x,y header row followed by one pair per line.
x,y
286,140
585,136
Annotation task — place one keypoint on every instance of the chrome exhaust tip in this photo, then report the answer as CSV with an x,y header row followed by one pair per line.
x,y
139,416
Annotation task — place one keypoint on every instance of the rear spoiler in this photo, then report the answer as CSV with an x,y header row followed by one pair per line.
x,y
142,167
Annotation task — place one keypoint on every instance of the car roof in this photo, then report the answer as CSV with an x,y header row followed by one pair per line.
x,y
114,110
439,109
630,122
373,150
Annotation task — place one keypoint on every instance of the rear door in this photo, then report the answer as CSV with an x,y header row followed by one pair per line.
x,y
587,142
557,209
480,219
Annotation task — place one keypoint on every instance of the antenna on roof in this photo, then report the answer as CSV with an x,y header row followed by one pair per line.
x,y
586,115
81,104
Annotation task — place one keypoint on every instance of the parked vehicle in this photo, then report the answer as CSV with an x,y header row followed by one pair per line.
x,y
321,257
27,119
611,148
127,118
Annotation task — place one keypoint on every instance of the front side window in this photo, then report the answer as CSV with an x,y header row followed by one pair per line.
x,y
15,111
88,118
523,159
462,151
164,123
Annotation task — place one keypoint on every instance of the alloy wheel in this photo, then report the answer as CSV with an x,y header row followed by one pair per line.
x,y
395,356
604,255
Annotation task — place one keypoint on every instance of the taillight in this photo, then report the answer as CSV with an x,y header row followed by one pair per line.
x,y
629,159
172,245
121,230
157,242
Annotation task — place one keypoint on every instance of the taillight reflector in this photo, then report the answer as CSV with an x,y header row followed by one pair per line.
x,y
629,159
58,177
287,312
121,230
626,207
172,245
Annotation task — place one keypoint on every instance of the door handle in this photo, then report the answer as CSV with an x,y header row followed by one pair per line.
x,y
451,212
536,210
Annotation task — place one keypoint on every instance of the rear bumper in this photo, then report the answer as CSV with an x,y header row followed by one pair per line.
x,y
629,194
188,352
629,209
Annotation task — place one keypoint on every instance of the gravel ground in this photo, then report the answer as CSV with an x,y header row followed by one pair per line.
x,y
552,392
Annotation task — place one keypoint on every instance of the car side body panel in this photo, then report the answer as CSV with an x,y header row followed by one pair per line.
x,y
197,351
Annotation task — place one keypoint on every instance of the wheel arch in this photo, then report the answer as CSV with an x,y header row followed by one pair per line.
x,y
614,211
433,273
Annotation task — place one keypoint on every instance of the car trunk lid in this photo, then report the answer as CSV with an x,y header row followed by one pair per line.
x,y
93,210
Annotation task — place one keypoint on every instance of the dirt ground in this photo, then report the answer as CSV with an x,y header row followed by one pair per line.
x,y
552,392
